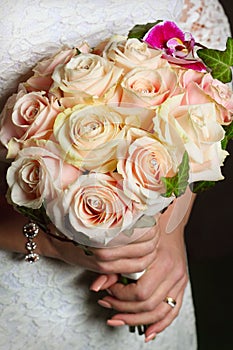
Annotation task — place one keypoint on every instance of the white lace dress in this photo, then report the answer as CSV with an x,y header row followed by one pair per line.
x,y
48,305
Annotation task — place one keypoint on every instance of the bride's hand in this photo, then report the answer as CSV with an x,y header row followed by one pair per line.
x,y
134,257
142,302
131,258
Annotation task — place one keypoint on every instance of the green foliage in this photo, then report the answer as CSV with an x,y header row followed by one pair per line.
x,y
220,62
228,135
124,280
201,186
39,216
139,30
177,184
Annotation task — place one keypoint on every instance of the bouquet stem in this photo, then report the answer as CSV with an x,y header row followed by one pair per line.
x,y
132,329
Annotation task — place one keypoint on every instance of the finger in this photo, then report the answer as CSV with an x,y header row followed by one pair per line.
x,y
141,318
146,233
162,324
170,287
145,245
142,289
158,319
146,305
103,282
134,250
162,268
126,266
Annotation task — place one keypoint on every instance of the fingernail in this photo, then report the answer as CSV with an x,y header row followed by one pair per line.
x,y
150,337
109,291
104,304
96,286
115,323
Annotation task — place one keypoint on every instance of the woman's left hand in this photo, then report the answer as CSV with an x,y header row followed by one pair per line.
x,y
143,302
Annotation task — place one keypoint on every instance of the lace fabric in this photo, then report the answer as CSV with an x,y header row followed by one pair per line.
x,y
48,304
34,30
207,21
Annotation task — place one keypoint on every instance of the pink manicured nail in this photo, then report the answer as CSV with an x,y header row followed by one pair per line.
x,y
96,286
115,323
150,337
104,304
109,291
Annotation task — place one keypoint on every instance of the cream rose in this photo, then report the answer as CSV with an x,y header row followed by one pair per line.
x,y
83,77
142,162
138,117
38,174
148,87
130,53
42,78
202,88
26,116
94,210
193,128
89,136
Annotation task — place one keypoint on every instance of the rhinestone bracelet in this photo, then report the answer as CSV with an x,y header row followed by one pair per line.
x,y
30,231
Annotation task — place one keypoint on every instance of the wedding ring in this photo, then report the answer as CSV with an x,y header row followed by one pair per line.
x,y
170,301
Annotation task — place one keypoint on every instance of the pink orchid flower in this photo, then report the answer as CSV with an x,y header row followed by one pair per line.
x,y
176,44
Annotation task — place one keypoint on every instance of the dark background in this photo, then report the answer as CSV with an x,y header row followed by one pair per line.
x,y
209,240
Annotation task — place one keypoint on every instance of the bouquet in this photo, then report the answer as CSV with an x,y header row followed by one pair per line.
x,y
101,140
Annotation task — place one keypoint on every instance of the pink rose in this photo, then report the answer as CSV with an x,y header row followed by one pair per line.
x,y
42,78
85,76
143,161
146,87
94,210
39,173
202,88
26,116
6,121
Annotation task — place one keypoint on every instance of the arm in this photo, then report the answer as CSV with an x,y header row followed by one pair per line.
x,y
136,256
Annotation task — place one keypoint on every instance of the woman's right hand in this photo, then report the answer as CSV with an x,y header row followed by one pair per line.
x,y
134,257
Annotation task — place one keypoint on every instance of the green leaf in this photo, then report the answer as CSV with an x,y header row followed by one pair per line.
x,y
220,62
139,30
124,280
78,52
201,186
177,184
39,216
228,135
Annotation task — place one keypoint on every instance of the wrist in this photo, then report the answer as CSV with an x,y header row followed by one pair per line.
x,y
177,213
